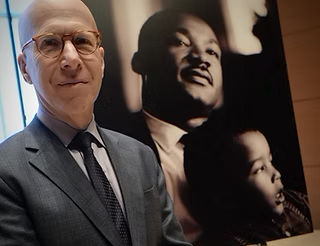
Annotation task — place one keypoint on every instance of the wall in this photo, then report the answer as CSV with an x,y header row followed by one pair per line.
x,y
300,24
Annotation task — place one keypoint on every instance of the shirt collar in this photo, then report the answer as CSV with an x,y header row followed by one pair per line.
x,y
64,131
165,134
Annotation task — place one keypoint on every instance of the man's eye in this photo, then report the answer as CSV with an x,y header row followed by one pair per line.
x,y
213,53
178,42
181,43
81,40
50,42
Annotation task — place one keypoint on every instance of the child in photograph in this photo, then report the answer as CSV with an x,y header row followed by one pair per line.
x,y
237,193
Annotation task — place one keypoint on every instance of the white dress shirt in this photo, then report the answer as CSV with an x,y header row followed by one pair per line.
x,y
66,133
167,140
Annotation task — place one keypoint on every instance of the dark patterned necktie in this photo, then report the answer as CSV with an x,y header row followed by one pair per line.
x,y
82,142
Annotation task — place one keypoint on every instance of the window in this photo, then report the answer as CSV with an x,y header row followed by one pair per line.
x,y
18,102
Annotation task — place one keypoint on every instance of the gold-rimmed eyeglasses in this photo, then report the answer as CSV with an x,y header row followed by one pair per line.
x,y
51,45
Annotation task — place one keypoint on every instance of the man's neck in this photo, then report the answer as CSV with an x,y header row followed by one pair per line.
x,y
80,122
77,121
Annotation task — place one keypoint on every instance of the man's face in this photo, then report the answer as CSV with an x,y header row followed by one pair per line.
x,y
191,58
263,178
68,84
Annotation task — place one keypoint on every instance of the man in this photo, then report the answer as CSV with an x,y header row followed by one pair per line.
x,y
48,192
179,59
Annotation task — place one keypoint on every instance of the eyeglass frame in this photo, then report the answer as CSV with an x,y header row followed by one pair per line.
x,y
62,36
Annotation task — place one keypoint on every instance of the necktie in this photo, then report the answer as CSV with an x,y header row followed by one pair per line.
x,y
82,142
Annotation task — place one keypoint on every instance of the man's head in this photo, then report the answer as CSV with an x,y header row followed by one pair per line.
x,y
67,82
179,58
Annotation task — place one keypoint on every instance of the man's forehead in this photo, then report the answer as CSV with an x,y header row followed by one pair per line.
x,y
62,24
77,14
192,23
186,24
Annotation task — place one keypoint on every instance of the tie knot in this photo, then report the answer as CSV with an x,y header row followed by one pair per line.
x,y
81,141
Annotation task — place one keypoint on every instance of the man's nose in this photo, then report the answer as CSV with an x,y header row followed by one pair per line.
x,y
70,59
198,57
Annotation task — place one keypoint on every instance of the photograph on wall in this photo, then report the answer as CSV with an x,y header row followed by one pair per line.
x,y
205,85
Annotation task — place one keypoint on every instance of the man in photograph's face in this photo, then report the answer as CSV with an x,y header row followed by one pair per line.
x,y
189,57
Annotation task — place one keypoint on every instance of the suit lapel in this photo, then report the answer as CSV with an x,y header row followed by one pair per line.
x,y
128,177
50,156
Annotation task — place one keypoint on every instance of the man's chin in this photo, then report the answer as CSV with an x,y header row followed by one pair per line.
x,y
208,105
210,100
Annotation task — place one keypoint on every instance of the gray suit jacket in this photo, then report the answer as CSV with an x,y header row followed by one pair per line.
x,y
46,199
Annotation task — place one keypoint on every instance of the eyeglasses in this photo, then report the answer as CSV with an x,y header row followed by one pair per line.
x,y
51,45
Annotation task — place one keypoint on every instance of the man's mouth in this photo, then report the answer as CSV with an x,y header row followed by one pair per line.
x,y
196,75
280,197
72,82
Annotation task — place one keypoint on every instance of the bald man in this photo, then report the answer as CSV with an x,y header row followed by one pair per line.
x,y
48,191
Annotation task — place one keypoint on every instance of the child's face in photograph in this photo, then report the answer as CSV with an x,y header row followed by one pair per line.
x,y
263,178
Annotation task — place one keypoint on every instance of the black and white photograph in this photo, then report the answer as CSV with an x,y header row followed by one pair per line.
x,y
205,85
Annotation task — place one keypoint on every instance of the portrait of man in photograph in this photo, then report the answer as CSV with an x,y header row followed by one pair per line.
x,y
179,60
178,65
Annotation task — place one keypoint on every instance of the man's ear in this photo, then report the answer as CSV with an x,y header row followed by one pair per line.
x,y
23,69
138,65
101,50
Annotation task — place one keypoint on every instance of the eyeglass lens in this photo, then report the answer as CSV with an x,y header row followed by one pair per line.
x,y
51,45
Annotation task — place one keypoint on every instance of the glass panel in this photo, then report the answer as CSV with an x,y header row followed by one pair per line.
x,y
2,6
18,6
10,110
